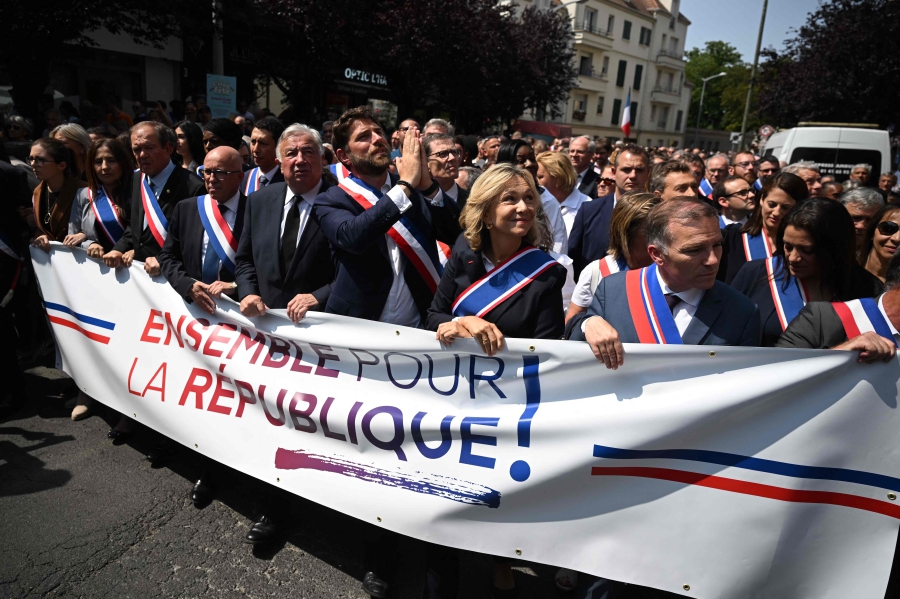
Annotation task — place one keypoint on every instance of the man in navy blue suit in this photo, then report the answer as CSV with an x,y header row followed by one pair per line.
x,y
589,238
688,305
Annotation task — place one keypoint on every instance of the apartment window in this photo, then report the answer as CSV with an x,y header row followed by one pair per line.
x,y
638,75
645,36
590,19
653,113
673,45
678,119
605,65
620,76
610,23
585,66
617,108
672,23
600,105
663,117
626,31
633,113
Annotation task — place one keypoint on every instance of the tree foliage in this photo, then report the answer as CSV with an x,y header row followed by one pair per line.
x,y
842,66
723,104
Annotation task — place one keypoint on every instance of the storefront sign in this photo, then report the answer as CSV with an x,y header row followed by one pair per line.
x,y
221,95
365,77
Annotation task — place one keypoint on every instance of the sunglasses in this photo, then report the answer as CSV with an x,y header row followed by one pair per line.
x,y
888,228
607,181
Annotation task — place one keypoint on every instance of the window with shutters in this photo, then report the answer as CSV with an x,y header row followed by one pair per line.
x,y
638,75
626,31
620,76
616,109
634,107
600,105
645,36
678,119
610,23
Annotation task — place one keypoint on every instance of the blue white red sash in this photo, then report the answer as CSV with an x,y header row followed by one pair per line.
x,y
106,215
651,315
418,249
339,171
497,286
706,188
609,265
220,236
757,185
722,223
861,316
251,181
156,220
788,302
756,246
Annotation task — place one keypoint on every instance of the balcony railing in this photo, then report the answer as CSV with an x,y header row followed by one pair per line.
x,y
670,54
593,29
592,74
667,90
579,115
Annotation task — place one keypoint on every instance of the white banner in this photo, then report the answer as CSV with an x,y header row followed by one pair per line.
x,y
708,472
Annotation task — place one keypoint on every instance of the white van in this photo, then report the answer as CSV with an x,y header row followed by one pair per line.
x,y
834,147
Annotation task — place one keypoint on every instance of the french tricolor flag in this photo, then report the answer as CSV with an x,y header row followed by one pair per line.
x,y
626,116
91,327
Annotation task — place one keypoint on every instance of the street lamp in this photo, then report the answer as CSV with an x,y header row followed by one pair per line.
x,y
700,108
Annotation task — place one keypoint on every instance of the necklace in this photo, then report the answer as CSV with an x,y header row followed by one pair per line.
x,y
49,207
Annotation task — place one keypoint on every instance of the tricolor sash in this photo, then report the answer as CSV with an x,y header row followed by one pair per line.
x,y
251,181
609,265
339,171
757,185
418,249
861,316
653,320
156,220
788,302
722,223
106,215
444,252
706,188
756,246
220,236
497,286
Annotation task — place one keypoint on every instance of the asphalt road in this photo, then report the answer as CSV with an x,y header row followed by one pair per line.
x,y
82,517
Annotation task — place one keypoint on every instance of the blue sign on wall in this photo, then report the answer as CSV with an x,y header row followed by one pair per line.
x,y
221,95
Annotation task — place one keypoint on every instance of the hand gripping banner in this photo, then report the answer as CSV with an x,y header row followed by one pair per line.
x,y
731,472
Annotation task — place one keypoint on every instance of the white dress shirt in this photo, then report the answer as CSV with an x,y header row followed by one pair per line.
x,y
556,222
570,206
728,221
894,331
229,215
685,309
159,182
270,174
453,192
306,203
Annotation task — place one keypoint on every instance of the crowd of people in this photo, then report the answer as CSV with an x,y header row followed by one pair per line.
x,y
579,239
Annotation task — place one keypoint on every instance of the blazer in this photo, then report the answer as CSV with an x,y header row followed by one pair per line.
x,y
59,216
82,220
733,257
588,184
357,237
462,197
278,177
724,316
753,281
589,237
817,326
533,312
181,258
180,185
258,262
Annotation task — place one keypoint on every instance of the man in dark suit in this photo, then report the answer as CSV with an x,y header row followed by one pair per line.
x,y
443,165
376,280
264,149
152,144
685,243
284,260
589,237
581,153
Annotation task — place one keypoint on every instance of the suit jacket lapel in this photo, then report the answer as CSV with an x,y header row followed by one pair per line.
x,y
707,313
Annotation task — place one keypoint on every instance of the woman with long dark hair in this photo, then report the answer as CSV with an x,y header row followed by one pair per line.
x,y
814,261
189,145
882,241
54,166
756,238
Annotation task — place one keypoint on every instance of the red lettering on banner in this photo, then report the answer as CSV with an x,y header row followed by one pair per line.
x,y
197,389
259,341
279,405
245,395
162,389
130,372
320,368
278,346
170,328
214,337
191,331
152,325
297,365
220,393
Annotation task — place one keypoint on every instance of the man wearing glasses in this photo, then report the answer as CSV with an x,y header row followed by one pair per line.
x,y
744,166
769,166
716,171
443,164
401,130
735,199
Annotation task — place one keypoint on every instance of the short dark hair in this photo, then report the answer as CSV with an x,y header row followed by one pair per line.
x,y
682,208
272,125
230,133
341,128
59,152
719,191
770,158
509,149
634,150
662,170
164,134
430,139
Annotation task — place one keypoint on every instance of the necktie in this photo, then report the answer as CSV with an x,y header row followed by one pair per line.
x,y
153,188
263,181
210,272
289,237
673,300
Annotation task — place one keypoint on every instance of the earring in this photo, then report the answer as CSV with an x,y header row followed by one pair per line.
x,y
489,225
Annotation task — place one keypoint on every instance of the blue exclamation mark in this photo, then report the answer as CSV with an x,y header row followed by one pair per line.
x,y
520,470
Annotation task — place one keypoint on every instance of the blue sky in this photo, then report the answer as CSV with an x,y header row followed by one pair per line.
x,y
737,22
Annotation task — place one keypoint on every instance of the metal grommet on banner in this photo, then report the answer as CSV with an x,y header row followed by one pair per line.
x,y
135,415
687,587
378,518
892,496
277,480
398,332
712,354
530,348
197,446
518,552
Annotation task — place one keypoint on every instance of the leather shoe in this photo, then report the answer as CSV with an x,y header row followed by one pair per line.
x,y
119,437
161,452
263,531
374,586
202,493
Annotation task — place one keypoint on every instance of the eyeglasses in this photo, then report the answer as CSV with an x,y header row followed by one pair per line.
x,y
742,164
888,228
218,174
607,181
743,193
407,128
444,154
38,161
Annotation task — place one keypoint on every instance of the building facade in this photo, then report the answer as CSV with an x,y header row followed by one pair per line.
x,y
624,46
